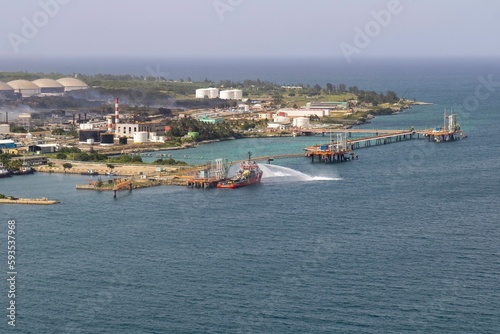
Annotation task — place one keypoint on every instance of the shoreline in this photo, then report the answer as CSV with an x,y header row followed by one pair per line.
x,y
30,201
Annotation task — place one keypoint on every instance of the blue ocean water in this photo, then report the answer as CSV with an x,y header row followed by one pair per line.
x,y
404,239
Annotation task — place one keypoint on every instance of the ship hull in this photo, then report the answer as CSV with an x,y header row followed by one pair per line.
x,y
238,183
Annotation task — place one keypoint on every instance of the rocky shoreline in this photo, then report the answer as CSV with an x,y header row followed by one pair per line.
x,y
32,201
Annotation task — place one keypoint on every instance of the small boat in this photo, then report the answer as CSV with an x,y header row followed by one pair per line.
x,y
4,172
90,172
110,174
249,173
24,170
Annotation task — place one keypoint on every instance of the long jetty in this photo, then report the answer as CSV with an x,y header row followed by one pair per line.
x,y
332,152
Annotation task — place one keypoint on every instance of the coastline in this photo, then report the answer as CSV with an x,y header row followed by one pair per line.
x,y
31,201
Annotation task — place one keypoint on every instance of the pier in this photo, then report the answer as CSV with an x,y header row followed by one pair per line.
x,y
208,177
383,139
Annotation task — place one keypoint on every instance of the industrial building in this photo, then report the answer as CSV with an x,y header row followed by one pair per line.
x,y
4,129
24,87
43,148
129,129
49,87
90,136
328,105
207,93
231,94
7,143
211,120
6,91
303,112
72,84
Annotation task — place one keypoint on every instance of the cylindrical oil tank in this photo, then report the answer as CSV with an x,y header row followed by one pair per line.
x,y
226,95
107,139
85,135
122,140
140,137
237,94
300,122
281,119
213,93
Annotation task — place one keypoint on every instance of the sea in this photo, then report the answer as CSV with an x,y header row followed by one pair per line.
x,y
405,239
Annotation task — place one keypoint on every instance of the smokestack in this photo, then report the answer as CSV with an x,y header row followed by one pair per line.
x,y
117,114
79,118
85,115
110,124
7,117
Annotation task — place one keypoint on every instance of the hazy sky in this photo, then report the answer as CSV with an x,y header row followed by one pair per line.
x,y
237,28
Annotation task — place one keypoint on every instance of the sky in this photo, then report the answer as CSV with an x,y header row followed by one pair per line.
x,y
249,28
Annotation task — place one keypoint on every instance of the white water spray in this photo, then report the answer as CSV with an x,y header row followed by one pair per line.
x,y
274,173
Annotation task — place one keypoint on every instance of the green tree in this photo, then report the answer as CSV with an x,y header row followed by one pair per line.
x,y
342,88
61,155
329,87
14,165
67,165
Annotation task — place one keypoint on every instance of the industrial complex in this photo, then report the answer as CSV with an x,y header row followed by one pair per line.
x,y
40,87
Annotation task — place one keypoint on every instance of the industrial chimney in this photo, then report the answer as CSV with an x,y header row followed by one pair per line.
x,y
110,124
117,115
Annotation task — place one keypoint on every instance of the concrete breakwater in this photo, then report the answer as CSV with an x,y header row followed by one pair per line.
x,y
32,201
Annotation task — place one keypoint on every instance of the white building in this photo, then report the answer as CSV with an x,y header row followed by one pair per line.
x,y
231,94
129,129
305,112
49,87
207,93
4,129
72,84
24,87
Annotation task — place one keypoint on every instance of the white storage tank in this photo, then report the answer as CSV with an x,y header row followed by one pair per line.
x,y
281,119
204,93
226,94
300,122
237,94
140,137
213,93
201,93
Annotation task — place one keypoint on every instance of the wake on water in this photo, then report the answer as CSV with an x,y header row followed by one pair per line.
x,y
274,173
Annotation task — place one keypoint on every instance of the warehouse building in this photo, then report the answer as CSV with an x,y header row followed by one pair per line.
x,y
6,91
72,84
49,87
24,88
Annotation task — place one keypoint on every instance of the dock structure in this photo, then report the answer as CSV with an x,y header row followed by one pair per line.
x,y
336,151
449,132
208,177
122,185
383,139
